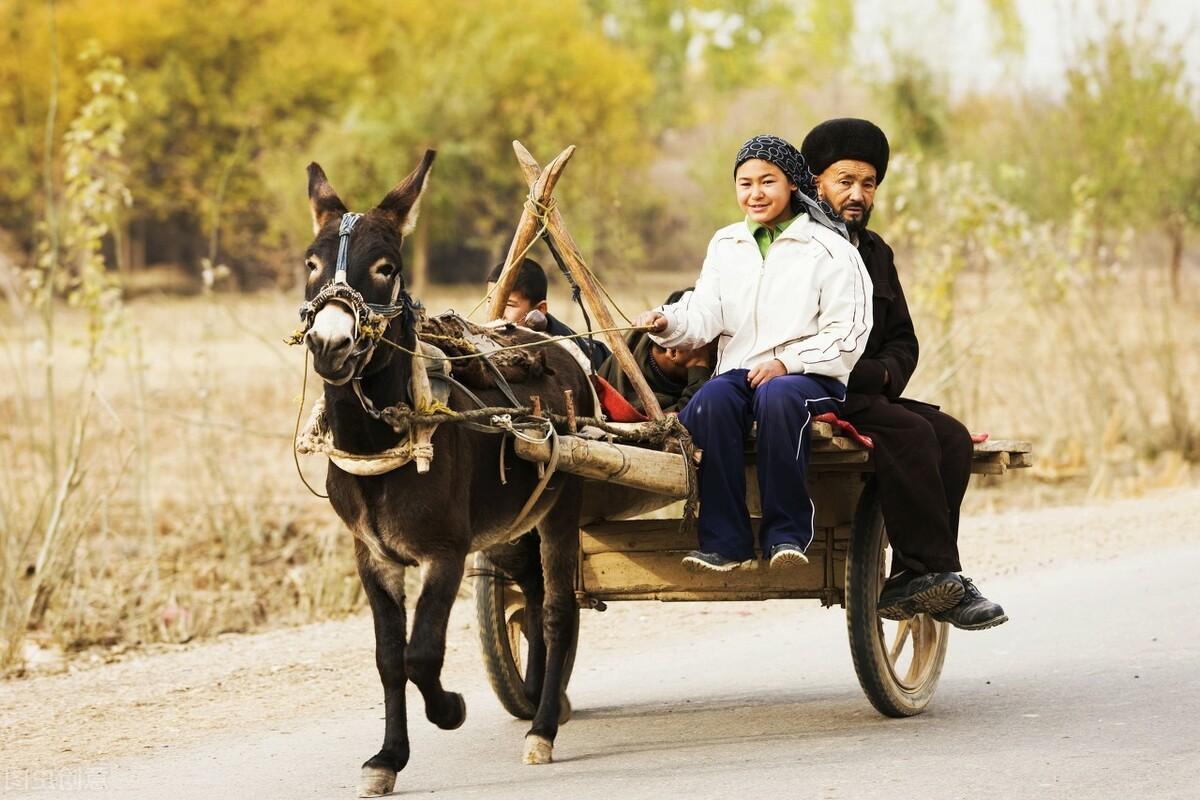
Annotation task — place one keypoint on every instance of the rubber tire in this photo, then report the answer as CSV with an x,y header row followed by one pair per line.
x,y
867,646
506,680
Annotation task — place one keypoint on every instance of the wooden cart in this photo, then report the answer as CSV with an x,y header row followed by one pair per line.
x,y
898,664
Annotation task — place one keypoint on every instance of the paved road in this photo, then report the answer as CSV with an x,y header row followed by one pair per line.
x,y
1092,691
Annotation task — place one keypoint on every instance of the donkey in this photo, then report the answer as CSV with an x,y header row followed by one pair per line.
x,y
434,520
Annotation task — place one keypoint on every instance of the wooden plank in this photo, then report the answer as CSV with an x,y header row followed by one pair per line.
x,y
542,187
1009,445
647,573
588,290
1020,460
662,537
836,443
835,596
988,468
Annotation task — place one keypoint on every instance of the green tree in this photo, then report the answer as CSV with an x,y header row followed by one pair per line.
x,y
1129,118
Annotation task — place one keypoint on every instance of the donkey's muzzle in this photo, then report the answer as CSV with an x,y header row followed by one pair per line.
x,y
331,340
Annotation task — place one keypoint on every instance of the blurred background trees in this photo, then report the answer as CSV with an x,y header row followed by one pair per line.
x,y
234,97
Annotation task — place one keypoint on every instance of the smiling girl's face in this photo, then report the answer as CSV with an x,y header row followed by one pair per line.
x,y
763,192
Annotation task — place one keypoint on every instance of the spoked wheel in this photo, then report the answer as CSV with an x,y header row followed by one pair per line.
x,y
500,610
898,663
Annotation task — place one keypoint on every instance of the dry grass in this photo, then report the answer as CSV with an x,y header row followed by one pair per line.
x,y
196,522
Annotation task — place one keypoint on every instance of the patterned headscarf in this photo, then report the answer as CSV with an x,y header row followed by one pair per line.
x,y
784,155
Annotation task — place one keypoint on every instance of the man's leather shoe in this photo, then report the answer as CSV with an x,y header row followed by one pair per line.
x,y
905,596
974,612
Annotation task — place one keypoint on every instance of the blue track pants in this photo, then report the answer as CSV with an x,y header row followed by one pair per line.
x,y
719,417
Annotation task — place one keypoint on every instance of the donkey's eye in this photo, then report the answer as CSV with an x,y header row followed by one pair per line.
x,y
385,269
311,264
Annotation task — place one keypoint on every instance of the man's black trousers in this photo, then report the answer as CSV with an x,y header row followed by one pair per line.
x,y
922,465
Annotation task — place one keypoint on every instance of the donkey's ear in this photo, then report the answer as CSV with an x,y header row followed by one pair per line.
x,y
401,204
326,205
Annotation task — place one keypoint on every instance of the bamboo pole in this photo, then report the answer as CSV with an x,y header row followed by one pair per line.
x,y
588,290
527,230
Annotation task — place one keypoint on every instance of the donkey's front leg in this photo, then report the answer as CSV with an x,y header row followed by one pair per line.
x,y
427,650
560,558
384,586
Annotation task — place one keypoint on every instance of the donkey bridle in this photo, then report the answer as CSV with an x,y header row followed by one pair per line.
x,y
371,320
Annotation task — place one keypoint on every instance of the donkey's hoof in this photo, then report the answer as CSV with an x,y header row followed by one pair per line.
x,y
564,710
376,782
456,714
538,750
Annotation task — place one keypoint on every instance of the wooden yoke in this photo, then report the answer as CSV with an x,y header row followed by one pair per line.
x,y
540,190
588,290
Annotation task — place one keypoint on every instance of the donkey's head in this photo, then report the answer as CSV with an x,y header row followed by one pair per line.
x,y
355,293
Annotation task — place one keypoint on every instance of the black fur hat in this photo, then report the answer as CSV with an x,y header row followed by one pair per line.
x,y
846,138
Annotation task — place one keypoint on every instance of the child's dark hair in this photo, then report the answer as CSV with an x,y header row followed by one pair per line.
x,y
677,295
531,280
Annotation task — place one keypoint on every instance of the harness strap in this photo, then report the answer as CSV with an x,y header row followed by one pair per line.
x,y
349,220
502,382
451,380
551,465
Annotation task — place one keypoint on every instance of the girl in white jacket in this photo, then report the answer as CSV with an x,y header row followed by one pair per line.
x,y
789,301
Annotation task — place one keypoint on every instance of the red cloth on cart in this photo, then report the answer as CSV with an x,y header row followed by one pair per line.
x,y
615,406
849,429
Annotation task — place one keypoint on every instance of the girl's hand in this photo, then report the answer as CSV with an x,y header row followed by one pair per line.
x,y
653,320
765,371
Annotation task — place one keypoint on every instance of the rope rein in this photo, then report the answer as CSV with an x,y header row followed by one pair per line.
x,y
296,434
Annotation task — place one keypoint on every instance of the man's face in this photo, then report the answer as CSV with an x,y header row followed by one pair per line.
x,y
763,192
849,188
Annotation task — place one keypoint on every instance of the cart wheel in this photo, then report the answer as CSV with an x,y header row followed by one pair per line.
x,y
898,663
500,610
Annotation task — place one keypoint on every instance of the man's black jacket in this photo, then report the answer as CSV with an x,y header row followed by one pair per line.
x,y
892,346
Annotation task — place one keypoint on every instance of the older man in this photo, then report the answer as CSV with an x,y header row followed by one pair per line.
x,y
922,456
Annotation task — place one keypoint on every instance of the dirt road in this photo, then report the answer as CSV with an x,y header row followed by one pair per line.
x,y
1093,690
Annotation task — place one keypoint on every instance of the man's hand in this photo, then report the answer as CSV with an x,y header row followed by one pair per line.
x,y
654,320
765,371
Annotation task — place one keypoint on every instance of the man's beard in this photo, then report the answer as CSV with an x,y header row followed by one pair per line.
x,y
857,225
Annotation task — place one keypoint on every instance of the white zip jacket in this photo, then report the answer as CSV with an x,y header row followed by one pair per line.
x,y
808,303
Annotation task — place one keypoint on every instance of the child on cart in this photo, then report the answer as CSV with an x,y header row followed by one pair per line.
x,y
789,301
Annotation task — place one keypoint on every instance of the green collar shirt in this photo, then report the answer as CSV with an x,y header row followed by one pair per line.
x,y
764,235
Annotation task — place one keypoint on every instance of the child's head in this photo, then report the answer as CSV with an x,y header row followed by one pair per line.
x,y
528,292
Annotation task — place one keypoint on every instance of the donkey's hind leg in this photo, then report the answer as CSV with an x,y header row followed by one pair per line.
x,y
521,561
427,649
560,558
384,586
